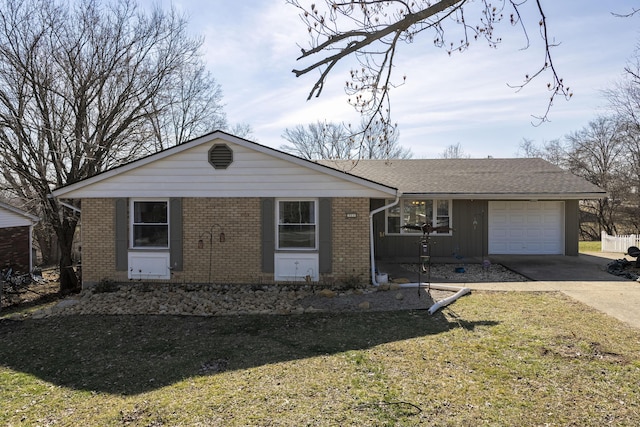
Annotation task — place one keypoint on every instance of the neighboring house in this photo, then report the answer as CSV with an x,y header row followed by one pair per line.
x,y
222,209
16,241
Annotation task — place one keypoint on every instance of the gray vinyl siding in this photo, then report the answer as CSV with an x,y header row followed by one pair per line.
x,y
465,241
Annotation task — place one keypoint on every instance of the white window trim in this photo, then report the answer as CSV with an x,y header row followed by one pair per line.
x,y
315,215
435,214
131,218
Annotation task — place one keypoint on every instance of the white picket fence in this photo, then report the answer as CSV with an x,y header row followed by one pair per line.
x,y
618,243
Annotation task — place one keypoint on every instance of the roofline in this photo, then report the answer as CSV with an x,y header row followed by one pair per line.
x,y
510,196
218,134
20,212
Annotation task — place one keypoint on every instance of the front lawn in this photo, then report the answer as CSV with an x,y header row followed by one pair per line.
x,y
496,359
595,246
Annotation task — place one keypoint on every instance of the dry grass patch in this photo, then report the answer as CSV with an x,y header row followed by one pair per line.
x,y
493,358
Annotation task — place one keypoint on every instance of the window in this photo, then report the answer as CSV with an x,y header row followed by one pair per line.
x,y
418,212
150,224
297,224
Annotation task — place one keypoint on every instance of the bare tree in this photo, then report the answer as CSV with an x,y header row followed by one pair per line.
x,y
372,31
552,151
379,142
85,86
528,149
624,100
597,153
454,151
192,106
322,140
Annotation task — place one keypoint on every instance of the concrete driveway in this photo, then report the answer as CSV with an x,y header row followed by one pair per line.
x,y
583,278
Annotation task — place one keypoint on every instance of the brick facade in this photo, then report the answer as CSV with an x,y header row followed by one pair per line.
x,y
98,241
236,259
351,251
14,248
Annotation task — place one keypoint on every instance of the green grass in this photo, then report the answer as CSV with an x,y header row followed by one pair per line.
x,y
492,359
595,246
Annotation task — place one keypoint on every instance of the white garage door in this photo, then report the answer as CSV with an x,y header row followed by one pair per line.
x,y
526,228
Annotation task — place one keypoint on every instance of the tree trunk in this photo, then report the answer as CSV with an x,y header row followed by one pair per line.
x,y
69,282
44,238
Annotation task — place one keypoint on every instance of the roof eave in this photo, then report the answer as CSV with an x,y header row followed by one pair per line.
x,y
511,196
20,212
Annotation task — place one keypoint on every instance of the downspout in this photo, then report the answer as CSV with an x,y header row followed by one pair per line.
x,y
459,291
371,237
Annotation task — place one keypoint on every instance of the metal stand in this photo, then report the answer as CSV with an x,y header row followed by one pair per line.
x,y
424,262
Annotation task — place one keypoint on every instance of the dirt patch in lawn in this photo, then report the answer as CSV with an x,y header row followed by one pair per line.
x,y
41,289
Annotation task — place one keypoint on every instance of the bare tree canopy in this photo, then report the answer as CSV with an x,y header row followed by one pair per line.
x,y
85,86
597,153
372,31
322,140
454,151
600,153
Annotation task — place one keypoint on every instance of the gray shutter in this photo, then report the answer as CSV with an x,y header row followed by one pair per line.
x,y
268,234
325,237
175,233
122,237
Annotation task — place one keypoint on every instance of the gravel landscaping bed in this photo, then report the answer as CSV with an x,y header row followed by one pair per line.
x,y
225,300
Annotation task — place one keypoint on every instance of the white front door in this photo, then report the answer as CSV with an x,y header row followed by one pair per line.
x,y
526,227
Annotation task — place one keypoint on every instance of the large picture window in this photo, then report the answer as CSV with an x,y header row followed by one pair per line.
x,y
150,224
297,226
418,212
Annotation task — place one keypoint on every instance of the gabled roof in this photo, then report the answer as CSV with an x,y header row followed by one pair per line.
x,y
178,165
520,178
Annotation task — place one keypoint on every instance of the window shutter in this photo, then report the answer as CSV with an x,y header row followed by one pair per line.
x,y
325,236
268,234
175,234
122,237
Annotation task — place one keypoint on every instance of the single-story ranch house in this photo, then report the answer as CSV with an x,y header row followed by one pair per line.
x,y
221,209
16,238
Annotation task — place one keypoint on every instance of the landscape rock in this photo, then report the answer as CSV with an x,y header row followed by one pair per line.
x,y
327,293
365,305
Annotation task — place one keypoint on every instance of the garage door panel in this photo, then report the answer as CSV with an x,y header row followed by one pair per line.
x,y
522,227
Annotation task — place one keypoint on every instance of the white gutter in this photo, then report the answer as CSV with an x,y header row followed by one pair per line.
x,y
459,291
70,206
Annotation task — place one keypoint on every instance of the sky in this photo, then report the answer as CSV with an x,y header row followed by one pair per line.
x,y
251,47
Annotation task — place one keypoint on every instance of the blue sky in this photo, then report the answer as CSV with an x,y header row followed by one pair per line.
x,y
251,47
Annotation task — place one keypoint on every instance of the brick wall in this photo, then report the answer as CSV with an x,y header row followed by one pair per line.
x,y
14,248
237,259
98,241
351,251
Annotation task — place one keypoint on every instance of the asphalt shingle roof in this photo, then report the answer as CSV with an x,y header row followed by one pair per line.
x,y
519,176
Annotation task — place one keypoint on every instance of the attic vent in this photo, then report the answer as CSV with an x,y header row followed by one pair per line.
x,y
220,156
